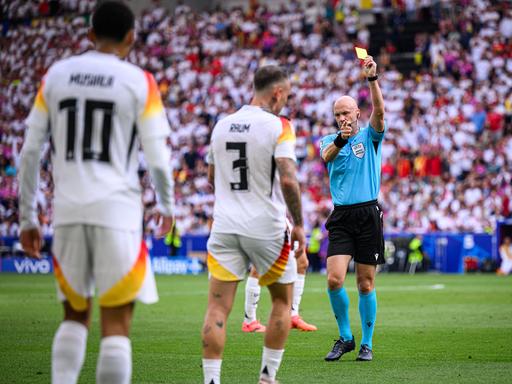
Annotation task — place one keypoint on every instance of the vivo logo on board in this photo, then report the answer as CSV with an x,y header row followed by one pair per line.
x,y
32,266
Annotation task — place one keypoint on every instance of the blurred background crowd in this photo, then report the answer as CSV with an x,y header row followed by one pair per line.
x,y
445,69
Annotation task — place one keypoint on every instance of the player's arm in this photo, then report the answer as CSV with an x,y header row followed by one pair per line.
x,y
377,116
153,129
331,150
290,187
158,158
36,134
211,176
284,156
291,192
211,167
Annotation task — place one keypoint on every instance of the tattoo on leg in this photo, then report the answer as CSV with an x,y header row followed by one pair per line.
x,y
205,344
219,324
217,295
207,329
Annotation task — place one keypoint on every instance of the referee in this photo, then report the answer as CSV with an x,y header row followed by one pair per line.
x,y
353,158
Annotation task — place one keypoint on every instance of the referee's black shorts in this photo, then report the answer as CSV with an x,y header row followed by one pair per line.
x,y
356,230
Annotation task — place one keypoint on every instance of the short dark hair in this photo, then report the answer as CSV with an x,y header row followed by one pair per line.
x,y
268,75
112,20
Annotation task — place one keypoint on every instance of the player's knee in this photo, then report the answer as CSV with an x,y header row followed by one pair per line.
x,y
217,313
281,306
334,282
281,298
365,285
116,321
82,317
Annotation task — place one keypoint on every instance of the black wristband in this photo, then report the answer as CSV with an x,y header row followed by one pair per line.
x,y
339,141
373,78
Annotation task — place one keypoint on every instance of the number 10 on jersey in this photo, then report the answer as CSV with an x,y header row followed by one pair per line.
x,y
70,105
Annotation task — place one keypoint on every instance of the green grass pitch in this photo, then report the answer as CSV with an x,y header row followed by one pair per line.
x,y
430,329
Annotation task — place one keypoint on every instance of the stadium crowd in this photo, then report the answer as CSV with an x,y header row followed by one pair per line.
x,y
447,157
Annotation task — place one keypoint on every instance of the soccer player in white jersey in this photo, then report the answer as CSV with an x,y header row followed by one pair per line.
x,y
96,109
253,171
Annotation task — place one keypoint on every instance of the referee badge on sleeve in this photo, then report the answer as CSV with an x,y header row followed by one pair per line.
x,y
358,150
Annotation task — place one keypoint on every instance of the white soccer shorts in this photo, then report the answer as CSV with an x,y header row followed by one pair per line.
x,y
229,257
115,262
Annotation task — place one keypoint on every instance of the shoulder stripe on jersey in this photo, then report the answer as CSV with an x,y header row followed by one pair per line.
x,y
287,133
153,101
40,102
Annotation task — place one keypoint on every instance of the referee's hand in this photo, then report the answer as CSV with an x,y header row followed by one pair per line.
x,y
299,237
345,129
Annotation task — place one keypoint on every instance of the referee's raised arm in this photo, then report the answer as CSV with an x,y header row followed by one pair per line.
x,y
377,116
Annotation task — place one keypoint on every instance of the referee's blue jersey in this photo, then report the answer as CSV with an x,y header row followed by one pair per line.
x,y
354,175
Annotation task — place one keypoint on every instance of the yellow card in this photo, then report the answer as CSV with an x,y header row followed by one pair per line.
x,y
361,53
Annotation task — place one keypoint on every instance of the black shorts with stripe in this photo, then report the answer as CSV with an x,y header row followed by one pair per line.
x,y
357,230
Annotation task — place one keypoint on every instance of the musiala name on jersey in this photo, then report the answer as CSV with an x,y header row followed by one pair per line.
x,y
91,80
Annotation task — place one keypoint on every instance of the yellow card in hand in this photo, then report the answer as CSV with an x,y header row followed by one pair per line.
x,y
361,53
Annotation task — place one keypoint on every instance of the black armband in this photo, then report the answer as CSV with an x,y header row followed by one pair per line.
x,y
373,78
339,141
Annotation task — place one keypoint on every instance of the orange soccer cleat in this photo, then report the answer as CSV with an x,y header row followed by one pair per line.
x,y
253,326
298,323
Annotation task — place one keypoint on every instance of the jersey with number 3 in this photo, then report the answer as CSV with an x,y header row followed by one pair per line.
x,y
248,196
95,108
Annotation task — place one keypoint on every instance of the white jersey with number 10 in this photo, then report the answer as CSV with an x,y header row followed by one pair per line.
x,y
96,107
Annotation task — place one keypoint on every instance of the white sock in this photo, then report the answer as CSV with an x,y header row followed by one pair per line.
x,y
298,289
211,371
252,296
68,352
114,361
270,363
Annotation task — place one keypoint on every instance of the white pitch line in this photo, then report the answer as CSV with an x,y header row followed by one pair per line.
x,y
389,288
434,287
